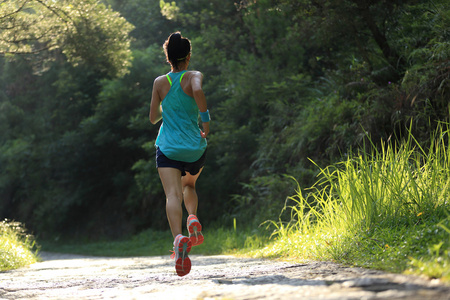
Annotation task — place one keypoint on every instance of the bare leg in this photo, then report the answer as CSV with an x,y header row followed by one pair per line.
x,y
189,192
171,181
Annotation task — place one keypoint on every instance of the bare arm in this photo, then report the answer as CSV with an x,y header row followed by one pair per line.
x,y
155,105
197,90
200,99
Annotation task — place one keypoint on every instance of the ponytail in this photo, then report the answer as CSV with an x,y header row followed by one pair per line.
x,y
177,49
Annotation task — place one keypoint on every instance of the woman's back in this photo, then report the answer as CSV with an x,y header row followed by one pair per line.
x,y
179,137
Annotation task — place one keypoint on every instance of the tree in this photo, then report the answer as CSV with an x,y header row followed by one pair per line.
x,y
286,81
85,31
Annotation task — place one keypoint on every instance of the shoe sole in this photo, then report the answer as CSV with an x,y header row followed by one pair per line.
x,y
183,262
195,232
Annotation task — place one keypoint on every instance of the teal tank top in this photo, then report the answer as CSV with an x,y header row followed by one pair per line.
x,y
179,135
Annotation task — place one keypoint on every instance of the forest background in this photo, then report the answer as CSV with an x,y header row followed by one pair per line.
x,y
287,82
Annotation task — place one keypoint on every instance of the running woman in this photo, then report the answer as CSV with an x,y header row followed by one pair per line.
x,y
178,99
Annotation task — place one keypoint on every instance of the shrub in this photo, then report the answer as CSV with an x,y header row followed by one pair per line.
x,y
16,246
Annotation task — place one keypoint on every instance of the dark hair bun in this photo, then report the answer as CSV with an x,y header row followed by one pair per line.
x,y
176,48
175,39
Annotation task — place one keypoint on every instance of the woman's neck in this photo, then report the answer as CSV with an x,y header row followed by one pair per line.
x,y
181,67
178,70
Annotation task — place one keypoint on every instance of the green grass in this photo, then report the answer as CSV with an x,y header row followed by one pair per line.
x,y
150,243
388,210
16,246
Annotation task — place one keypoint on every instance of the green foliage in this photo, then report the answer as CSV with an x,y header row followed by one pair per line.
x,y
98,36
85,31
386,210
286,81
150,26
151,242
146,243
423,93
16,246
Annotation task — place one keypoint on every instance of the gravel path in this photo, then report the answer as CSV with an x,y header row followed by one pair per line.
x,y
62,276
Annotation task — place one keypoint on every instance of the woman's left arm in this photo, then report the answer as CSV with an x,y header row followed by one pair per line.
x,y
155,105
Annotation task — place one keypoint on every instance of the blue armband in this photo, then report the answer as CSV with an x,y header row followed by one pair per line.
x,y
205,116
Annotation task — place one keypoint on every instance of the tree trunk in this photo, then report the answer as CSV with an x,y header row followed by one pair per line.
x,y
391,56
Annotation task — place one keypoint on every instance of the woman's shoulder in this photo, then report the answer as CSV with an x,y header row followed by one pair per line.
x,y
194,76
194,73
161,81
161,78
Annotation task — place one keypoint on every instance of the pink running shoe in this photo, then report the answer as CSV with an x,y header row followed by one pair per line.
x,y
195,230
182,246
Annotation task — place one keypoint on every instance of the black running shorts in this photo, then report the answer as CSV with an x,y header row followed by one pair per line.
x,y
193,168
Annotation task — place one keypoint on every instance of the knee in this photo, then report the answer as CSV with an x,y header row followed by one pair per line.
x,y
189,185
188,181
174,198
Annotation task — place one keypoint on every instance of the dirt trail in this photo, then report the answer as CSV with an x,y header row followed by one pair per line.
x,y
62,276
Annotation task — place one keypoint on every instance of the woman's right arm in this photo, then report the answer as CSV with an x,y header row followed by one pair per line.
x,y
200,99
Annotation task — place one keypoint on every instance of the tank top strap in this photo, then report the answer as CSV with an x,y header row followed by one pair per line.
x,y
181,77
170,80
174,76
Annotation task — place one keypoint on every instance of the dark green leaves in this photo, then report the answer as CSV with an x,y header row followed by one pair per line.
x,y
85,31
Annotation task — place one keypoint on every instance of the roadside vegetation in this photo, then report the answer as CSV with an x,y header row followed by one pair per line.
x,y
17,248
150,243
386,209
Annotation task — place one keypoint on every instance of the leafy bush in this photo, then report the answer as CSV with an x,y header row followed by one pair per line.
x,y
16,246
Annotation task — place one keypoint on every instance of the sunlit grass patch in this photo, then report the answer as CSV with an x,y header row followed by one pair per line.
x,y
232,241
387,210
16,246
